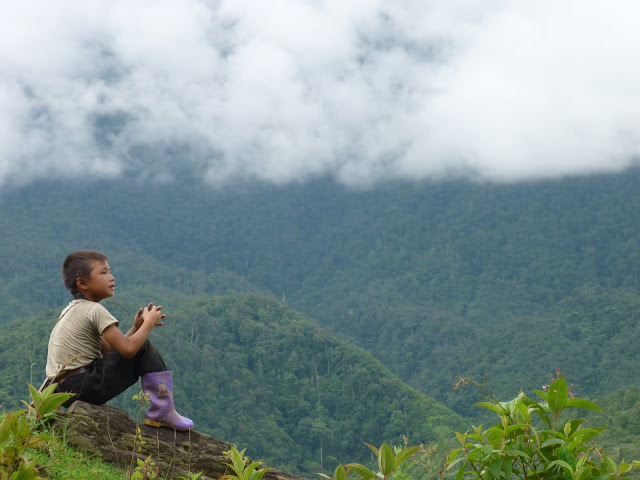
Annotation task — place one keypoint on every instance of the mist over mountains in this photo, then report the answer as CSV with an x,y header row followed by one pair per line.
x,y
360,91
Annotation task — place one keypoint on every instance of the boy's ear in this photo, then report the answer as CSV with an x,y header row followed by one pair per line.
x,y
81,283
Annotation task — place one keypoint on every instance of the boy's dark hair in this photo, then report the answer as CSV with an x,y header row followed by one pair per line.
x,y
79,264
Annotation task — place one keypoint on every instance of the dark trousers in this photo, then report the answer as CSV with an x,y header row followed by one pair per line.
x,y
111,375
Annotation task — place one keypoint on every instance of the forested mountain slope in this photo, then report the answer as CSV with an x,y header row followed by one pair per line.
x,y
254,372
622,415
433,278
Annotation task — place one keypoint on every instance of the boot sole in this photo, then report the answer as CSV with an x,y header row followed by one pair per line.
x,y
151,423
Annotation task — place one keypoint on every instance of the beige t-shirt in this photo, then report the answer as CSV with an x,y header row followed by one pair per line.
x,y
76,338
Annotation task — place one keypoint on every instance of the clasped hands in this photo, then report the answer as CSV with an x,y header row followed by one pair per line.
x,y
151,311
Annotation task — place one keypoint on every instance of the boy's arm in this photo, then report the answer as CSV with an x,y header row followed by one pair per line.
x,y
129,345
104,346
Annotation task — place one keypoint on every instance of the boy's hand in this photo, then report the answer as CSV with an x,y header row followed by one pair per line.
x,y
153,314
138,320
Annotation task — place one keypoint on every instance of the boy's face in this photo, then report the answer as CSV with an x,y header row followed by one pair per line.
x,y
100,284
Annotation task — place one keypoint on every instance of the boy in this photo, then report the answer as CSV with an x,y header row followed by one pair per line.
x,y
91,357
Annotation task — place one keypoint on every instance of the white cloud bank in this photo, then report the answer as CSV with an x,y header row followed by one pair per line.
x,y
363,90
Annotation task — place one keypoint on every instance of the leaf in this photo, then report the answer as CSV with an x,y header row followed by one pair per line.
x,y
558,395
508,406
454,453
574,427
257,475
460,474
542,394
560,463
455,462
25,472
405,454
386,460
517,426
583,436
5,428
493,407
496,438
35,396
52,402
507,467
49,389
520,453
582,403
552,433
22,427
33,442
623,468
524,411
495,468
542,409
566,456
607,465
583,473
361,470
340,473
237,461
375,450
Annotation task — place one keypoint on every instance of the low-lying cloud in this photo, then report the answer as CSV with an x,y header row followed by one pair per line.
x,y
361,90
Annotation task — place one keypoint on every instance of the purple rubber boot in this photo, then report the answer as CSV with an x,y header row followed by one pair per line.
x,y
161,413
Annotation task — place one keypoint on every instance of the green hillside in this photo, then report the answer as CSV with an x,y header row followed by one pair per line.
x,y
252,371
621,439
433,278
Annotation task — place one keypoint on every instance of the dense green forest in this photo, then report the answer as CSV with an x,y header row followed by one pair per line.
x,y
622,417
434,279
250,370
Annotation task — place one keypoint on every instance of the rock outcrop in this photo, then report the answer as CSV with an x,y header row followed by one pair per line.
x,y
111,433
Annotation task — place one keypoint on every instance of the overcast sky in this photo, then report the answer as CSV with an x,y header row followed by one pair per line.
x,y
285,90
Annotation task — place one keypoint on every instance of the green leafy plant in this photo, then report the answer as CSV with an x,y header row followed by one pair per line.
x,y
532,441
143,400
145,470
389,460
191,476
425,464
18,432
243,468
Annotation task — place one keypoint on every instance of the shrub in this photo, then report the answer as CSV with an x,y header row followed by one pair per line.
x,y
531,441
18,433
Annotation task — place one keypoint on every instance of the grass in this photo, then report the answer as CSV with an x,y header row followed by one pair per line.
x,y
59,461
